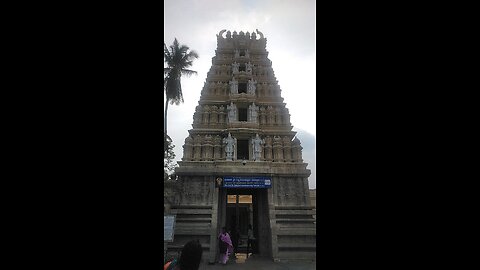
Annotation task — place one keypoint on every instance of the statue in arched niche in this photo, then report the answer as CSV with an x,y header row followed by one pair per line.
x,y
253,110
232,112
230,144
257,148
235,67
233,86
248,67
251,87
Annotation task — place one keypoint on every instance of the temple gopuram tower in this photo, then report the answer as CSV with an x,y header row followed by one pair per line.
x,y
242,164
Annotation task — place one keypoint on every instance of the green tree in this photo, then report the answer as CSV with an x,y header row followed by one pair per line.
x,y
168,157
178,58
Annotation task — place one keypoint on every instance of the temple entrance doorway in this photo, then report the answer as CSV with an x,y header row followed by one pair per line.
x,y
240,207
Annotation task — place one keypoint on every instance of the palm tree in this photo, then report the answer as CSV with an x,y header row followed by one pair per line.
x,y
178,58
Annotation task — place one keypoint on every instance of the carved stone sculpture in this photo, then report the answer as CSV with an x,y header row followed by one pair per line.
x,y
248,67
235,67
251,87
257,147
233,86
230,144
253,113
221,115
232,112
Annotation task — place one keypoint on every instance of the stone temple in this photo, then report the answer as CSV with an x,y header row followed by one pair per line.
x,y
242,163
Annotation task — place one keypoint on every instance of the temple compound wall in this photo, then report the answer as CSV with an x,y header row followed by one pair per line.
x,y
242,163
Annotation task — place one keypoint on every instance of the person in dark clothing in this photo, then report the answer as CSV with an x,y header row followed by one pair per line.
x,y
190,257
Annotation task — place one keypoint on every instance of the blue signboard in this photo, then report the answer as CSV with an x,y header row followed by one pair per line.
x,y
247,182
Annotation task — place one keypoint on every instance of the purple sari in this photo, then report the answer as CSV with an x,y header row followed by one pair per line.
x,y
225,237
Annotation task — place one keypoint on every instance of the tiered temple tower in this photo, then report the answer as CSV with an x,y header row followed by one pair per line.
x,y
242,152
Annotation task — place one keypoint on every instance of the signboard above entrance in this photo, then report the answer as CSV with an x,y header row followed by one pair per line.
x,y
247,182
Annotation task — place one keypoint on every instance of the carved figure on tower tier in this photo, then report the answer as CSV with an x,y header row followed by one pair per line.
x,y
253,113
233,86
213,115
270,115
217,148
248,67
268,148
251,87
287,117
197,147
257,148
230,144
206,114
221,115
232,112
207,148
197,117
188,149
235,67
278,116
277,149
237,52
262,116
296,150
247,55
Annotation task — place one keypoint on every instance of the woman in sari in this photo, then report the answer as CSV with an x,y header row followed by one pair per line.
x,y
226,246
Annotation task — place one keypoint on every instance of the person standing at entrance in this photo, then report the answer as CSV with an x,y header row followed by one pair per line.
x,y
225,245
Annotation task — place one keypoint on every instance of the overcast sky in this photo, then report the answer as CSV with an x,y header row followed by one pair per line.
x,y
288,26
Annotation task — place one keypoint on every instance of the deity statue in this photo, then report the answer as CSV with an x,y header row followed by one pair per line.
x,y
232,112
237,53
257,148
235,67
233,86
251,87
248,67
253,109
230,146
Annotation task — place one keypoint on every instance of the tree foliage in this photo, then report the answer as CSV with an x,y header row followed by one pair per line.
x,y
178,58
169,163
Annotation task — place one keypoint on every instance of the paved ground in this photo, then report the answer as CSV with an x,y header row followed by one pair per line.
x,y
259,263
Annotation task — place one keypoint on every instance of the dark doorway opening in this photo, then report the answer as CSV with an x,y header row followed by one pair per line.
x,y
242,150
240,213
242,114
242,88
